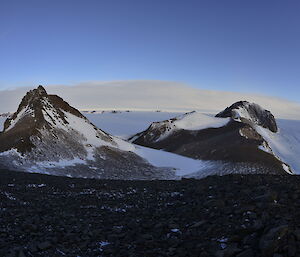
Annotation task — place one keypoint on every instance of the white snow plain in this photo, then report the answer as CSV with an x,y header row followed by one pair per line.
x,y
126,124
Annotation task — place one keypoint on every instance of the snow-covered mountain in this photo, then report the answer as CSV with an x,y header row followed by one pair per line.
x,y
48,135
232,137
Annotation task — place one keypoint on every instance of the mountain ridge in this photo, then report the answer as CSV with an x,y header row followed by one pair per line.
x,y
236,141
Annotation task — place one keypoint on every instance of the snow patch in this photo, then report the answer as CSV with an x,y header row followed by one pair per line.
x,y
240,113
242,134
12,152
182,165
287,168
198,121
189,121
23,113
264,147
58,164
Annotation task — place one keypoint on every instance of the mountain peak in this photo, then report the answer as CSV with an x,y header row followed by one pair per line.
x,y
32,99
41,109
37,111
247,112
46,134
40,91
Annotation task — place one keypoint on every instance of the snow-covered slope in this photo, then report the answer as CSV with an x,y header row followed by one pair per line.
x,y
196,121
286,142
2,120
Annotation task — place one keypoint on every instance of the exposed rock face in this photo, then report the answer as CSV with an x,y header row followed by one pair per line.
x,y
250,112
235,142
47,135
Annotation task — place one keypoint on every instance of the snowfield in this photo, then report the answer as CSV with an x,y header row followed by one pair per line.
x,y
198,121
126,124
183,166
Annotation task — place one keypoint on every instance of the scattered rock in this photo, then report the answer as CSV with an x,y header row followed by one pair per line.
x,y
246,253
44,245
198,224
143,218
270,242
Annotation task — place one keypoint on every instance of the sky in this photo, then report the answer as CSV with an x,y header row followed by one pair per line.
x,y
243,46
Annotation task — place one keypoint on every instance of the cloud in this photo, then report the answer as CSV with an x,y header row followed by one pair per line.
x,y
150,95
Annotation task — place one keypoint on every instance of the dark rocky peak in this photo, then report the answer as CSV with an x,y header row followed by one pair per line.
x,y
38,92
31,104
38,106
250,113
32,98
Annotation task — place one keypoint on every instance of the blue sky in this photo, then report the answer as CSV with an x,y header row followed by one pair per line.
x,y
245,46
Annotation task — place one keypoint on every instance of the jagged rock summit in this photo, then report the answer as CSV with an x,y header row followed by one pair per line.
x,y
234,138
250,112
37,111
47,135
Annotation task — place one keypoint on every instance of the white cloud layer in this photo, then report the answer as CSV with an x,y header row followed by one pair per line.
x,y
150,95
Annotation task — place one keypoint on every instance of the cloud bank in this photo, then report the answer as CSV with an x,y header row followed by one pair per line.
x,y
150,95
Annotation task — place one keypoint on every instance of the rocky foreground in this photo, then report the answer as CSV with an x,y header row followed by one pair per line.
x,y
234,215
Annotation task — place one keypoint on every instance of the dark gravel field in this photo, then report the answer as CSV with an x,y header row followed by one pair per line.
x,y
234,215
